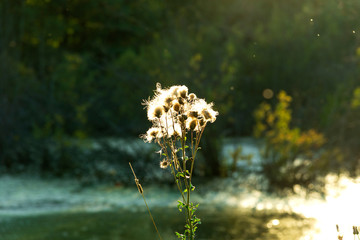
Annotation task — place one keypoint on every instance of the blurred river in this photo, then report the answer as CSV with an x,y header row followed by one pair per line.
x,y
38,209
54,209
227,223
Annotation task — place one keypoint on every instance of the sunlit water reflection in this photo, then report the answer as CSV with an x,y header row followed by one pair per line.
x,y
340,206
228,223
37,209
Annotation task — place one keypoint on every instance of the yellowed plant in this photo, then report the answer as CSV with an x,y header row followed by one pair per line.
x,y
285,145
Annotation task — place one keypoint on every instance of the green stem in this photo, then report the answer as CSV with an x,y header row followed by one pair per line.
x,y
188,185
197,142
177,183
189,213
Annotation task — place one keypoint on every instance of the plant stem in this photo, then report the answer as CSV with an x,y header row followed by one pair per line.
x,y
141,191
189,213
177,182
188,186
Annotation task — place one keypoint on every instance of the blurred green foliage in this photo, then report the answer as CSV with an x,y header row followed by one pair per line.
x,y
79,69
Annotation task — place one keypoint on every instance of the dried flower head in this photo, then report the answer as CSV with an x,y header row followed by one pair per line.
x,y
173,91
192,96
168,100
182,118
202,122
192,124
152,134
355,230
193,114
205,110
209,114
173,112
164,164
176,106
158,111
181,101
154,110
183,91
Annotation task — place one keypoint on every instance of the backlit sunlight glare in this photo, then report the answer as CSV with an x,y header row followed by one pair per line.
x,y
340,207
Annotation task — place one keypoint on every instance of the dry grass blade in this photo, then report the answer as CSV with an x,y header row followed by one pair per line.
x,y
141,191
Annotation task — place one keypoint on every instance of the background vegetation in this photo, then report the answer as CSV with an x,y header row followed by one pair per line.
x,y
79,69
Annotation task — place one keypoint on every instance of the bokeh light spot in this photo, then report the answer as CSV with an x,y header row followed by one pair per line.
x,y
268,93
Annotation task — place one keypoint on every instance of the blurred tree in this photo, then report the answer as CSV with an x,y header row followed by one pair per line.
x,y
80,68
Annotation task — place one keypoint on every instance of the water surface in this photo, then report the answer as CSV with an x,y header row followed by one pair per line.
x,y
126,224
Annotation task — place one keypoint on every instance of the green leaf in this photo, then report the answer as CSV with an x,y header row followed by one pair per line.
x,y
180,236
180,205
180,174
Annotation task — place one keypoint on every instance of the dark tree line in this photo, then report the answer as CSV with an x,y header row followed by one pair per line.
x,y
79,69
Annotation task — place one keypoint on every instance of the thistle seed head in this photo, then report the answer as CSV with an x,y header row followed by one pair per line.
x,y
202,122
192,124
168,101
158,111
188,113
174,91
164,164
176,106
192,96
151,134
180,100
166,109
355,230
193,114
206,114
183,91
209,114
182,118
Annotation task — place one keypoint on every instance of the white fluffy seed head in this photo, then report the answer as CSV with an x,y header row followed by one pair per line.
x,y
173,112
154,110
164,164
176,106
152,134
192,96
192,124
183,91
205,110
209,114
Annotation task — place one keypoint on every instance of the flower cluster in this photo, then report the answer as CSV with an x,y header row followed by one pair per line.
x,y
179,119
174,112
